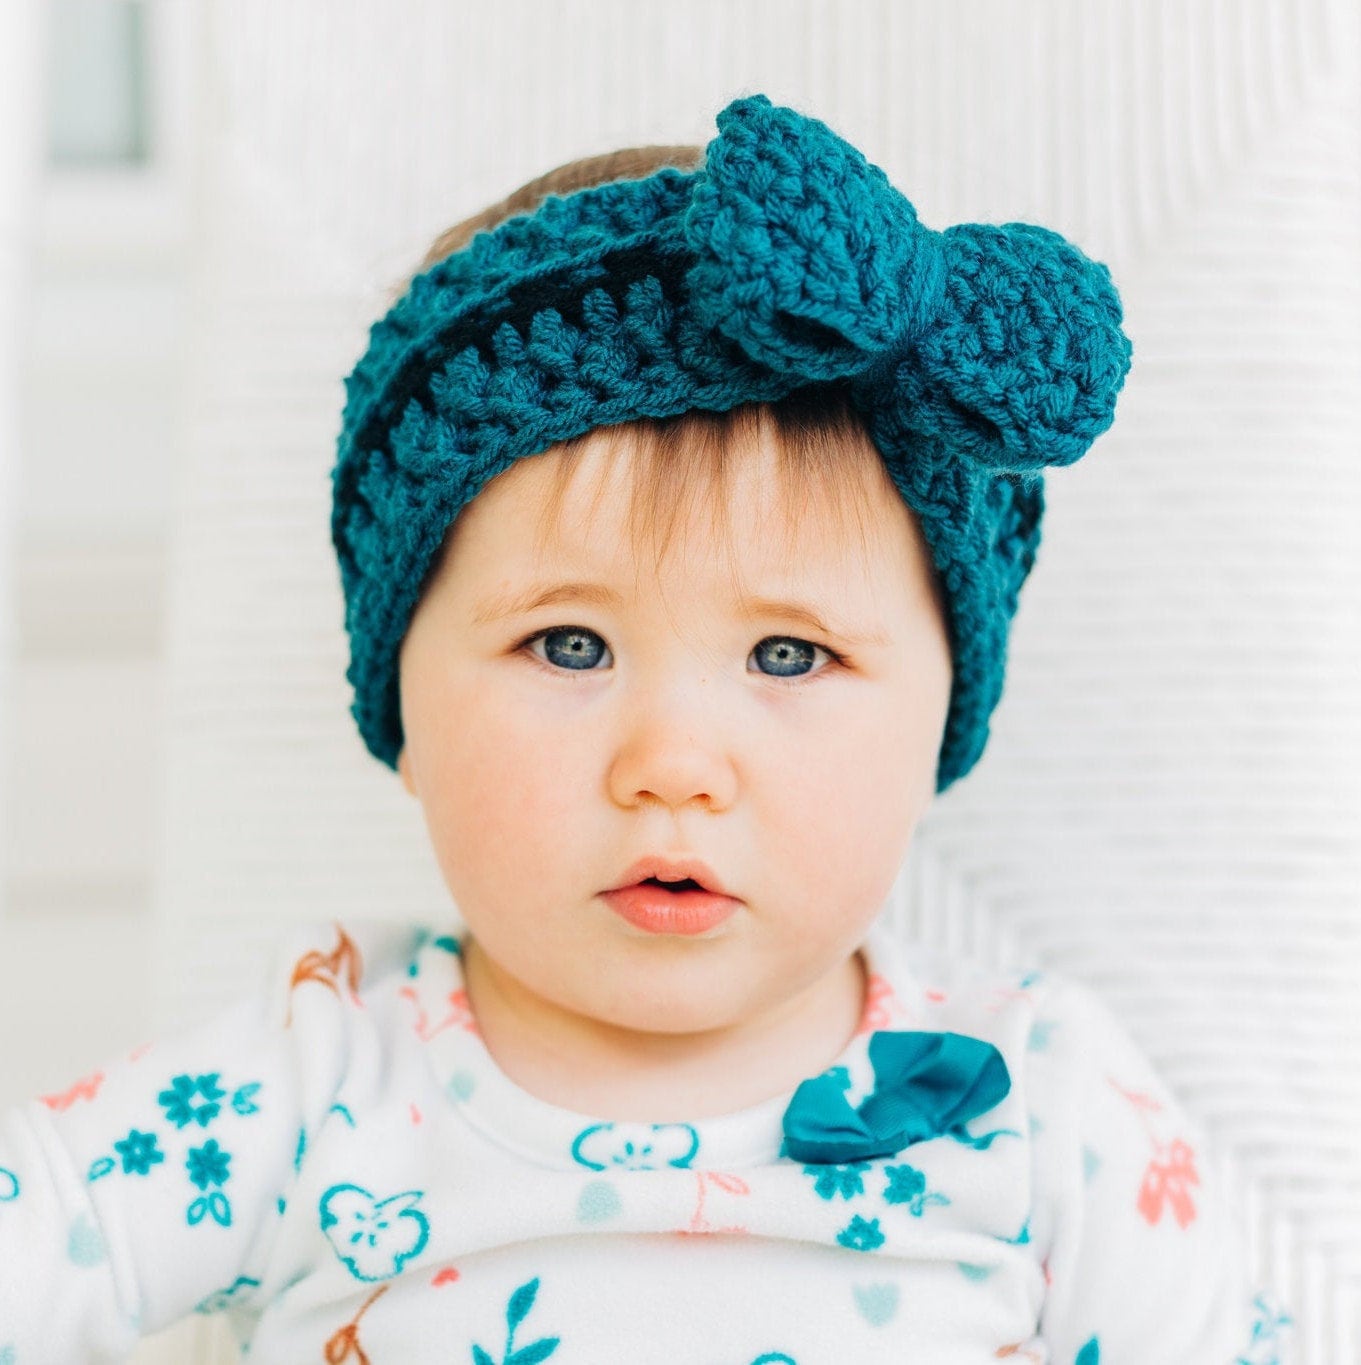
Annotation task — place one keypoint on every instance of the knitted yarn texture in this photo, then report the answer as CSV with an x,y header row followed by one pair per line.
x,y
975,356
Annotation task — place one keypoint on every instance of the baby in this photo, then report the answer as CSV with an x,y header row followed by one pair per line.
x,y
681,506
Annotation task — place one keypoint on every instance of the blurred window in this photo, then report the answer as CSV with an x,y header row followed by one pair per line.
x,y
98,100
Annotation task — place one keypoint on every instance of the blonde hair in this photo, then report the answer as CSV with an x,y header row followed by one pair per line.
x,y
819,440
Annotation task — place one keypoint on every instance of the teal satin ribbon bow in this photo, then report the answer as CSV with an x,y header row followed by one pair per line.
x,y
925,1085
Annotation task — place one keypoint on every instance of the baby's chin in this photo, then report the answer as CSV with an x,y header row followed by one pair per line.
x,y
662,998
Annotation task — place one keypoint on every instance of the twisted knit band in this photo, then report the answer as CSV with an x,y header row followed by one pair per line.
x,y
975,356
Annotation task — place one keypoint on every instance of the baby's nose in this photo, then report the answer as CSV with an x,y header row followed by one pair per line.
x,y
677,753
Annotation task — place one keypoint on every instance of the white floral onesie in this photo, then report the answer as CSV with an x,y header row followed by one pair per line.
x,y
341,1168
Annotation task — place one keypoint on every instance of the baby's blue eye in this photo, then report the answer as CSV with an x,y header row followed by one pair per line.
x,y
577,649
786,653
571,647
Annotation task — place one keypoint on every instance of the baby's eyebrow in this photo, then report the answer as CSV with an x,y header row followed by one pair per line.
x,y
542,595
517,603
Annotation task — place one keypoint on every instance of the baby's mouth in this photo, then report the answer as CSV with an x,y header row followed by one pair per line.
x,y
661,907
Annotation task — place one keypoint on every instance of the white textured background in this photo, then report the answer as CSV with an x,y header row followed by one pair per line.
x,y
1170,805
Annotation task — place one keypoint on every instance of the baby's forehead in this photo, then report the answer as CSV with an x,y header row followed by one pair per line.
x,y
611,475
736,499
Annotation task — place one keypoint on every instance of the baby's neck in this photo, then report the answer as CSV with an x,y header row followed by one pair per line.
x,y
666,1077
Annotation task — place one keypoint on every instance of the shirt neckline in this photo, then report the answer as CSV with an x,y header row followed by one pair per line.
x,y
552,1135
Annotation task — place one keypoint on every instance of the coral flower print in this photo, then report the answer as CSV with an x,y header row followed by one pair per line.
x,y
1167,1180
457,1014
880,1004
84,1089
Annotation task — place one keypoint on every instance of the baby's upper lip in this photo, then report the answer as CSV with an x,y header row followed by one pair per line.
x,y
672,870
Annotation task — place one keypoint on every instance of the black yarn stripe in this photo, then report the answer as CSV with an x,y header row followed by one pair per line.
x,y
564,290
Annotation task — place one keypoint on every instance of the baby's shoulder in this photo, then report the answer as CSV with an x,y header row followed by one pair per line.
x,y
1036,1014
953,988
1055,1030
348,960
961,986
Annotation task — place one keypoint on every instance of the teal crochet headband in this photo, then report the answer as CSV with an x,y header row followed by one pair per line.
x,y
975,356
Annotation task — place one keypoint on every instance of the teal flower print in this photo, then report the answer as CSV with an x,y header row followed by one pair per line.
x,y
1269,1330
844,1180
373,1237
178,1100
635,1146
139,1152
207,1165
521,1301
861,1234
907,1185
222,1299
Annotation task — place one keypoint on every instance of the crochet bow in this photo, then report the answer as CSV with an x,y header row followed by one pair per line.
x,y
1005,341
925,1085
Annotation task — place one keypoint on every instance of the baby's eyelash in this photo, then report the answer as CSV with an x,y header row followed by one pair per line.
x,y
835,655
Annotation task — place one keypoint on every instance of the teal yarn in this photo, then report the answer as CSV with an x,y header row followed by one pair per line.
x,y
975,356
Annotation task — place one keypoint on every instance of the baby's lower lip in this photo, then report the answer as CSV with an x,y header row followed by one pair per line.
x,y
669,912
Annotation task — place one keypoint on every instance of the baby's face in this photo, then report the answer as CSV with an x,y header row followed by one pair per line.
x,y
668,721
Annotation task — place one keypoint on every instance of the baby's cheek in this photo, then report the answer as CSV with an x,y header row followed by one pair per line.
x,y
850,831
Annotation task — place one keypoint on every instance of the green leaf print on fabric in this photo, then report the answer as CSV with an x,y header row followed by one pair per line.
x,y
1090,1354
521,1301
215,1206
243,1098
